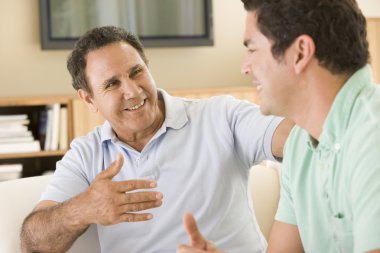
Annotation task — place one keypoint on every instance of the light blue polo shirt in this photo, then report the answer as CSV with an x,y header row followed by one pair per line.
x,y
200,157
332,191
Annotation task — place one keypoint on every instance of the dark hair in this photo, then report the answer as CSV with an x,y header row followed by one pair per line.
x,y
337,27
92,40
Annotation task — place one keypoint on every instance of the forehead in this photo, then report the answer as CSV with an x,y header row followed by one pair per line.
x,y
111,58
251,29
119,51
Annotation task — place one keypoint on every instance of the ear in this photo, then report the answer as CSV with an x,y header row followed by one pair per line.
x,y
87,99
304,51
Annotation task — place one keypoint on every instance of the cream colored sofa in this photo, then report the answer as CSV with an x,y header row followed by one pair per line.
x,y
18,197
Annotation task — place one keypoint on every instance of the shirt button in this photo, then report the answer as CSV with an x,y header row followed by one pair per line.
x,y
337,146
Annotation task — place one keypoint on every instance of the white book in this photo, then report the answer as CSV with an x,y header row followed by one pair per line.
x,y
10,171
14,167
13,128
14,122
20,147
15,134
16,139
49,122
63,135
55,127
13,117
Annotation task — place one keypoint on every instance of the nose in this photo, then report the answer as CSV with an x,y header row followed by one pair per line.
x,y
246,66
130,89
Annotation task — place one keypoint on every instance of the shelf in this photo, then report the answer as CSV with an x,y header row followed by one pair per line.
x,y
35,101
33,154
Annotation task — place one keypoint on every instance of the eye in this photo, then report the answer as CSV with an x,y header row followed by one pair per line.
x,y
135,71
111,83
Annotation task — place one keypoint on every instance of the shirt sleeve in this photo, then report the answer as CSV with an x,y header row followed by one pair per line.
x,y
253,131
285,211
69,178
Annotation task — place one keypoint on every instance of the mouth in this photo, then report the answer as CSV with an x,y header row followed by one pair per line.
x,y
136,107
257,85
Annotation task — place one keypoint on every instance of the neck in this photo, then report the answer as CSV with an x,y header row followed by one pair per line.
x,y
319,91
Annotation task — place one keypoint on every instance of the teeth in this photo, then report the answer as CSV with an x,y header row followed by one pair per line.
x,y
136,106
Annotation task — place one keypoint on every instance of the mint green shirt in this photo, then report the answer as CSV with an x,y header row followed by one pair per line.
x,y
332,191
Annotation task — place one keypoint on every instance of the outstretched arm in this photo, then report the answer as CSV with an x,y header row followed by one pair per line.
x,y
53,227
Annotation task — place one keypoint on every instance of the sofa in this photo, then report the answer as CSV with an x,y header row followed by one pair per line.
x,y
18,197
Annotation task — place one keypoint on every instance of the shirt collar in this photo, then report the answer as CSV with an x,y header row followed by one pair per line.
x,y
339,115
175,116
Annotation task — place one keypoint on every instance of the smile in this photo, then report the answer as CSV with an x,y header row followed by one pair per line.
x,y
133,108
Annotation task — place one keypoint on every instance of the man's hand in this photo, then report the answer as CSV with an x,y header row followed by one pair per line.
x,y
198,242
109,202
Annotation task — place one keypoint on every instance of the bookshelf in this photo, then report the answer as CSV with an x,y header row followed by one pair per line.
x,y
36,162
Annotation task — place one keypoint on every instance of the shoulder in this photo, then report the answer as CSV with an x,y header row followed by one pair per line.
x,y
218,106
91,142
297,137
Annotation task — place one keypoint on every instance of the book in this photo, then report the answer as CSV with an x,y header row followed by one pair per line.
x,y
16,139
55,126
52,127
4,118
13,128
15,134
20,147
10,171
63,135
42,126
12,122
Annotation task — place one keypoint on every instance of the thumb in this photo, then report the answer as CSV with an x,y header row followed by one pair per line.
x,y
196,238
114,167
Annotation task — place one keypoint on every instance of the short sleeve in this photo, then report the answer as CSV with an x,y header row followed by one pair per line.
x,y
285,211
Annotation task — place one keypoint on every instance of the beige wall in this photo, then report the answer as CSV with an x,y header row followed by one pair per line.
x,y
370,8
27,70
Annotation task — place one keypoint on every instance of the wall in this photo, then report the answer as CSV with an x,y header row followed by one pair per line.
x,y
25,69
370,8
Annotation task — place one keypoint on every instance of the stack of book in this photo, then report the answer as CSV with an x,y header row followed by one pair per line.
x,y
53,127
15,136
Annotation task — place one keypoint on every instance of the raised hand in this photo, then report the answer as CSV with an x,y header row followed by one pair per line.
x,y
197,241
109,202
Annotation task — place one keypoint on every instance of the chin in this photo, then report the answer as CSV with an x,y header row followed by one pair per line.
x,y
264,110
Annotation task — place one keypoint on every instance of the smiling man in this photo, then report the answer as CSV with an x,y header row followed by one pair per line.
x,y
197,153
308,59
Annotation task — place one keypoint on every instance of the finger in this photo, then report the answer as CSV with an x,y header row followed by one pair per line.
x,y
188,249
141,206
114,168
137,197
196,238
130,185
135,217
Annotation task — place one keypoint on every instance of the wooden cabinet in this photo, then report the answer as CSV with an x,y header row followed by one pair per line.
x,y
37,162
